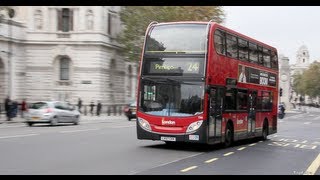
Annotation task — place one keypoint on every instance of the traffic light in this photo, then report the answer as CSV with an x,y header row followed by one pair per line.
x,y
280,91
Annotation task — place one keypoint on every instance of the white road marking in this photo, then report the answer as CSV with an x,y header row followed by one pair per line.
x,y
228,154
164,164
242,148
81,130
312,169
15,136
307,123
188,169
252,144
211,160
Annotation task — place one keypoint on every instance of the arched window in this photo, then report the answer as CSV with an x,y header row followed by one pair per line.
x,y
38,19
89,17
64,68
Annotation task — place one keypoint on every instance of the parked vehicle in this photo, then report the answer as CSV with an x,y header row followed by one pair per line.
x,y
52,112
130,110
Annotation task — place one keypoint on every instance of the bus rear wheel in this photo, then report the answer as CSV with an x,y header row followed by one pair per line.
x,y
228,136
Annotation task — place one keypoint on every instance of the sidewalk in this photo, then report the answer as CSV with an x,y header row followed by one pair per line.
x,y
83,118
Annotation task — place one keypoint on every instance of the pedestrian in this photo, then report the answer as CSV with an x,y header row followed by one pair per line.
x,y
91,108
79,104
99,106
7,107
23,108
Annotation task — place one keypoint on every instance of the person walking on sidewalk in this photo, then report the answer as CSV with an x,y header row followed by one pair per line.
x,y
8,108
99,106
79,104
23,108
91,108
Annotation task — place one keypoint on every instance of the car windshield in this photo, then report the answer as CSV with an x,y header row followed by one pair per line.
x,y
38,105
172,97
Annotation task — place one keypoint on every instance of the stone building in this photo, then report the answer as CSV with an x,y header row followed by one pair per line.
x,y
284,81
302,63
64,53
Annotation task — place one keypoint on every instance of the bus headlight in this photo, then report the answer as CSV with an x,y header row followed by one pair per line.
x,y
194,126
144,124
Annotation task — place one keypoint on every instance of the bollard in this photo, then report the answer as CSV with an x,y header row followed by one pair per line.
x,y
85,110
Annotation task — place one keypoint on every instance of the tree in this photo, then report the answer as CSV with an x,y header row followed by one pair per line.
x,y
311,78
298,85
307,83
135,20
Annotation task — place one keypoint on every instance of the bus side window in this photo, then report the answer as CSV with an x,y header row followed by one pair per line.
x,y
274,60
266,101
230,100
243,49
232,46
242,99
253,53
260,56
266,58
219,42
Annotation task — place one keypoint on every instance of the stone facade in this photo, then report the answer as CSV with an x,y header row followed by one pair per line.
x,y
302,63
284,81
65,53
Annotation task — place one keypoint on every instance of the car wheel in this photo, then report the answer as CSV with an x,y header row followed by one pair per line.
x,y
30,124
76,121
54,121
129,119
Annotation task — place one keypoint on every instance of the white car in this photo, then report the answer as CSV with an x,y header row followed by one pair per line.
x,y
52,112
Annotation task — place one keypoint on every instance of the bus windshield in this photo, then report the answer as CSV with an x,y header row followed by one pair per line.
x,y
171,97
177,38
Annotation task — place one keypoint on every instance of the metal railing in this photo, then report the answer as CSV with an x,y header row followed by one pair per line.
x,y
109,110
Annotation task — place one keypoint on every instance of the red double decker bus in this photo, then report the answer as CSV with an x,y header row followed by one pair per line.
x,y
204,83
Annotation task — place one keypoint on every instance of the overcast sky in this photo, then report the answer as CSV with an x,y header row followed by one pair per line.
x,y
284,27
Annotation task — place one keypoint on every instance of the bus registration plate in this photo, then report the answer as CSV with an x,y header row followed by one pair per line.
x,y
163,138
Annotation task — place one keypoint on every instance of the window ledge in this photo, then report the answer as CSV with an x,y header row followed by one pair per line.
x,y
64,82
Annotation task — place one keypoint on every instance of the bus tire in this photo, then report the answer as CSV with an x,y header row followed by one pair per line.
x,y
264,131
228,135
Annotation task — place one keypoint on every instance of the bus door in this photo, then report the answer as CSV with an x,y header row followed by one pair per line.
x,y
252,104
215,112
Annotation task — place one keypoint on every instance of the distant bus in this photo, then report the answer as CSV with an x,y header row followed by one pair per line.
x,y
204,83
